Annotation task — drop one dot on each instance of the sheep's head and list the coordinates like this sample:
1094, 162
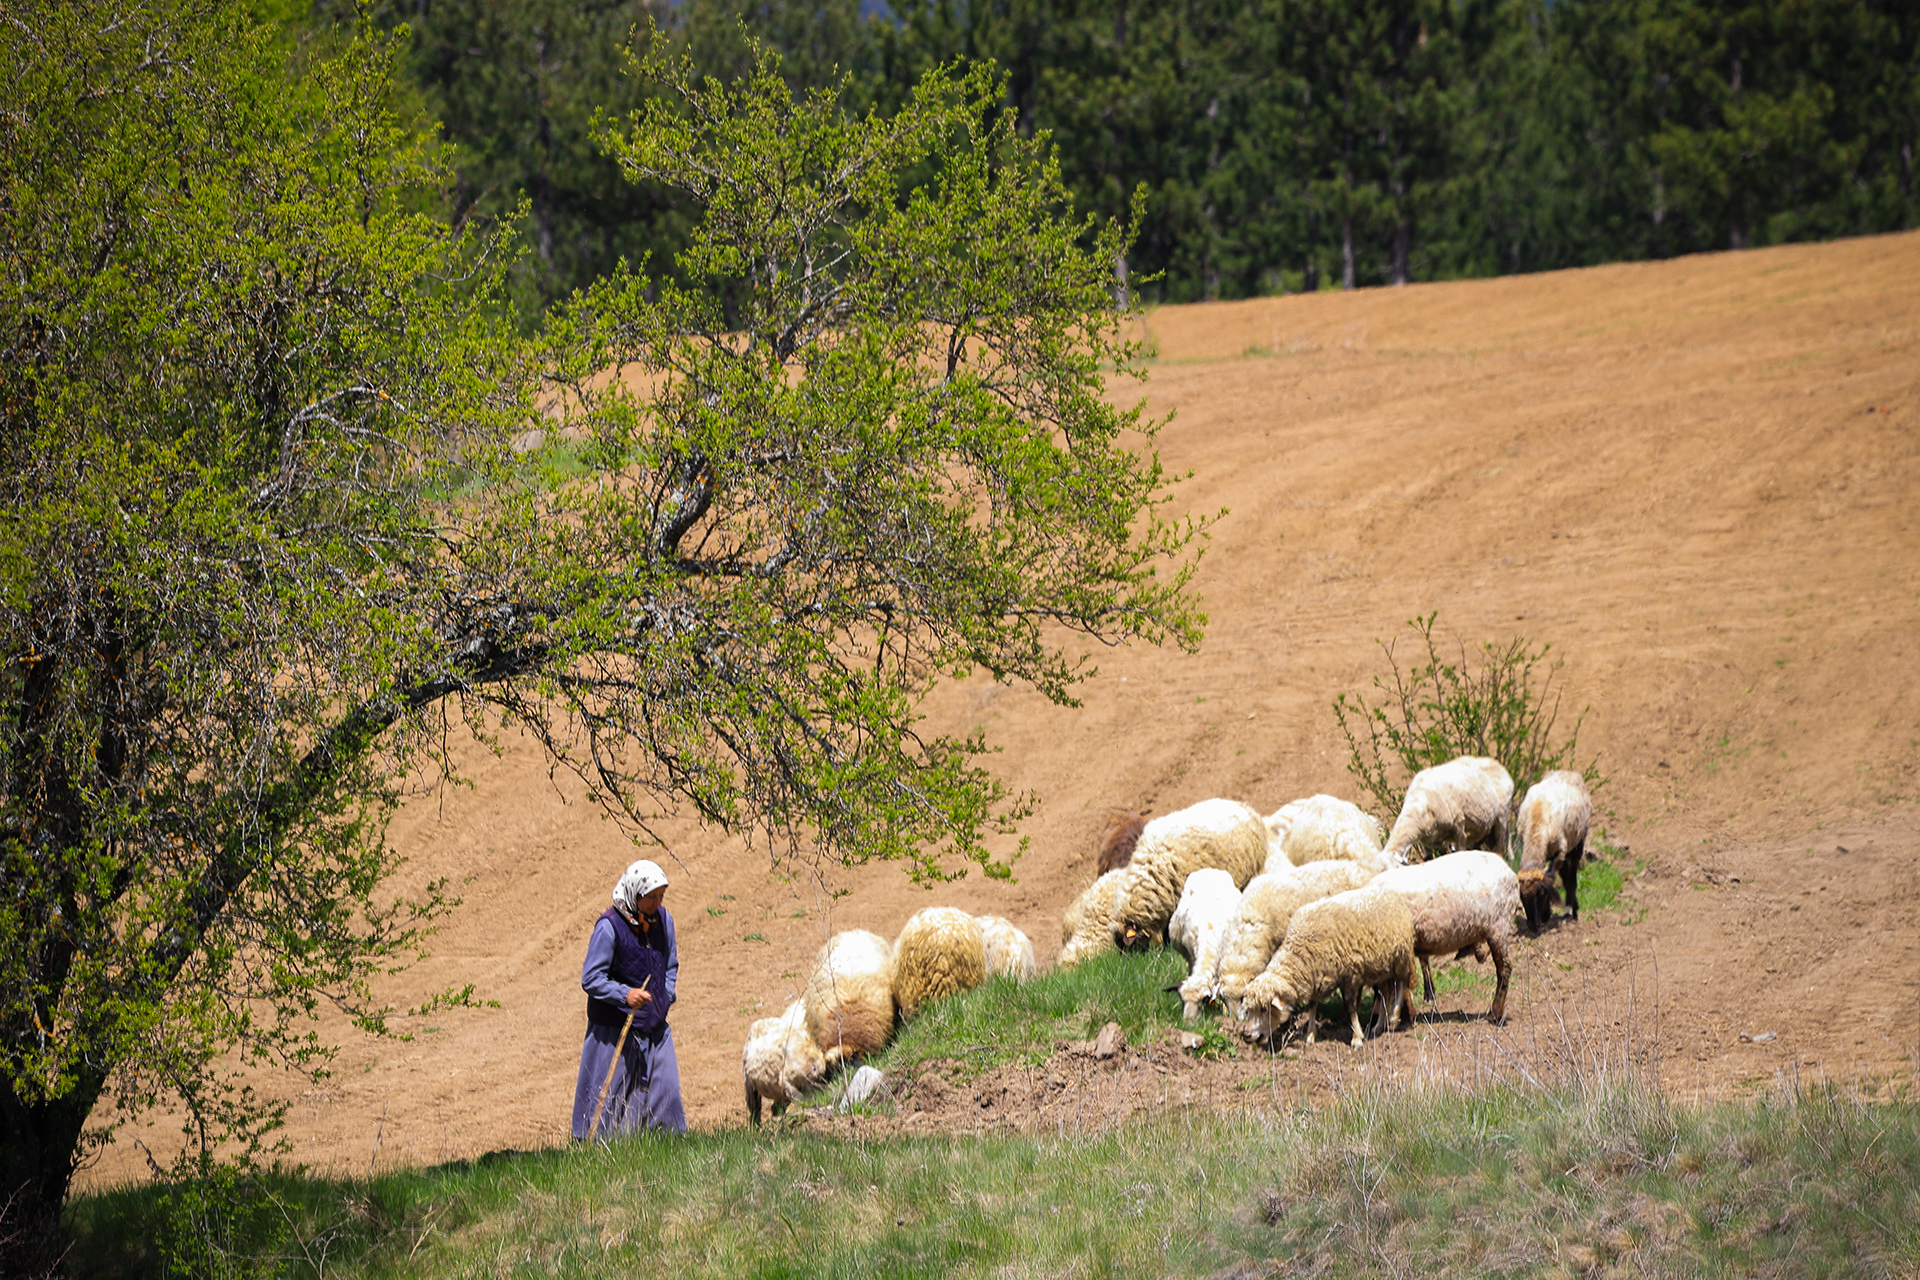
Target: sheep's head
1535, 896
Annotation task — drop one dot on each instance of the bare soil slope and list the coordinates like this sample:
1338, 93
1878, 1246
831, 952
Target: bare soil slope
1696, 479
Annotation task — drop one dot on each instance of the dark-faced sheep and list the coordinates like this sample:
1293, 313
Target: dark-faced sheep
1553, 836
1118, 840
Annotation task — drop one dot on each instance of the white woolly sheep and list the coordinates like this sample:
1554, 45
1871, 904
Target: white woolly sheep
1360, 938
1199, 926
1224, 834
1278, 824
940, 952
1009, 953
849, 996
1461, 804
1327, 827
1086, 926
1259, 923
1463, 904
1553, 839
780, 1060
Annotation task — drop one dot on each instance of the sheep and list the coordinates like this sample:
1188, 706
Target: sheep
1461, 804
1278, 824
1009, 953
1214, 833
1086, 926
1360, 938
1199, 925
940, 952
1324, 827
1463, 904
1118, 840
780, 1061
1260, 921
849, 996
1553, 837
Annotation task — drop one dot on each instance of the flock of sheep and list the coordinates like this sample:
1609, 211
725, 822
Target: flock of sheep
1274, 914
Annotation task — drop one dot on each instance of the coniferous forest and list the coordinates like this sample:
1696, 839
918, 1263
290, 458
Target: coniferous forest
1282, 145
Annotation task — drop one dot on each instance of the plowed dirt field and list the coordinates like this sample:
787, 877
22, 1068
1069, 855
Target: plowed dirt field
1696, 479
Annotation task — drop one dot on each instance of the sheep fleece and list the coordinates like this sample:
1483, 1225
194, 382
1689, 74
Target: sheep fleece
1009, 952
1086, 926
849, 995
1260, 923
1199, 927
780, 1060
1462, 803
939, 953
1362, 936
1224, 834
1327, 827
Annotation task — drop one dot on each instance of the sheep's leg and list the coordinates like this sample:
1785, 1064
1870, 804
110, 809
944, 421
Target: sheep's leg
753, 1104
1503, 969
1313, 1021
1350, 992
1426, 973
1570, 877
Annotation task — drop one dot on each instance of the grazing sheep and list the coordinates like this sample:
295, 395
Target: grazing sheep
940, 952
780, 1060
1260, 921
1553, 837
1214, 833
849, 996
1199, 925
1463, 904
1118, 840
1461, 804
1009, 953
1086, 926
1279, 823
1360, 938
1326, 827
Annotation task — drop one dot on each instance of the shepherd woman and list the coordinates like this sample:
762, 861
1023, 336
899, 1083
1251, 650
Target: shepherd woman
632, 968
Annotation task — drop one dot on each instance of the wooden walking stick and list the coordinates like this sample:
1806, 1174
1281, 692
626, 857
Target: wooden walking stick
607, 1087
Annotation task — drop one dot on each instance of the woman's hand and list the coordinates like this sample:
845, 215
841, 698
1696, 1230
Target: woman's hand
636, 997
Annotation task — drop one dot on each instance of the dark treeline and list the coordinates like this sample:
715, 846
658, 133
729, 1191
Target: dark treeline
1284, 144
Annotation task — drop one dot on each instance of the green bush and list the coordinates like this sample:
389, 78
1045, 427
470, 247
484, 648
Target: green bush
1432, 712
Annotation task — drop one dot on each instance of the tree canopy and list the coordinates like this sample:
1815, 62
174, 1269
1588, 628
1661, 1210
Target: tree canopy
273, 518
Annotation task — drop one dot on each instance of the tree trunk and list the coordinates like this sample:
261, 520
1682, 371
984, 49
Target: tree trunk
1346, 252
39, 1149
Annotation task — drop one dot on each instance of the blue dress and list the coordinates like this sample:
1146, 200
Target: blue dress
646, 1084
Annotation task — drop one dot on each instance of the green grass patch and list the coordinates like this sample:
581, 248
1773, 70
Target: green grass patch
1505, 1180
1007, 1022
1601, 878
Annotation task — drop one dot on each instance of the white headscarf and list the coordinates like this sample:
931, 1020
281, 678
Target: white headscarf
641, 879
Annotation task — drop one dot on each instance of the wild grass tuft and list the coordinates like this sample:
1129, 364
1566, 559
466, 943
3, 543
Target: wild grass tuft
1006, 1022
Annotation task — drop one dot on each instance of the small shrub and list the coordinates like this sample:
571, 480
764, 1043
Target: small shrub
1432, 712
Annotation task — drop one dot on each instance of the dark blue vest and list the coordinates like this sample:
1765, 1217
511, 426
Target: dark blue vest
636, 958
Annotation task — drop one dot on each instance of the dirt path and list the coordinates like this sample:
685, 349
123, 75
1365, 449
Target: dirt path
1697, 479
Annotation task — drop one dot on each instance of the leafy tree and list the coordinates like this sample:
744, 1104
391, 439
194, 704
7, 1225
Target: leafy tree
893, 460
265, 531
